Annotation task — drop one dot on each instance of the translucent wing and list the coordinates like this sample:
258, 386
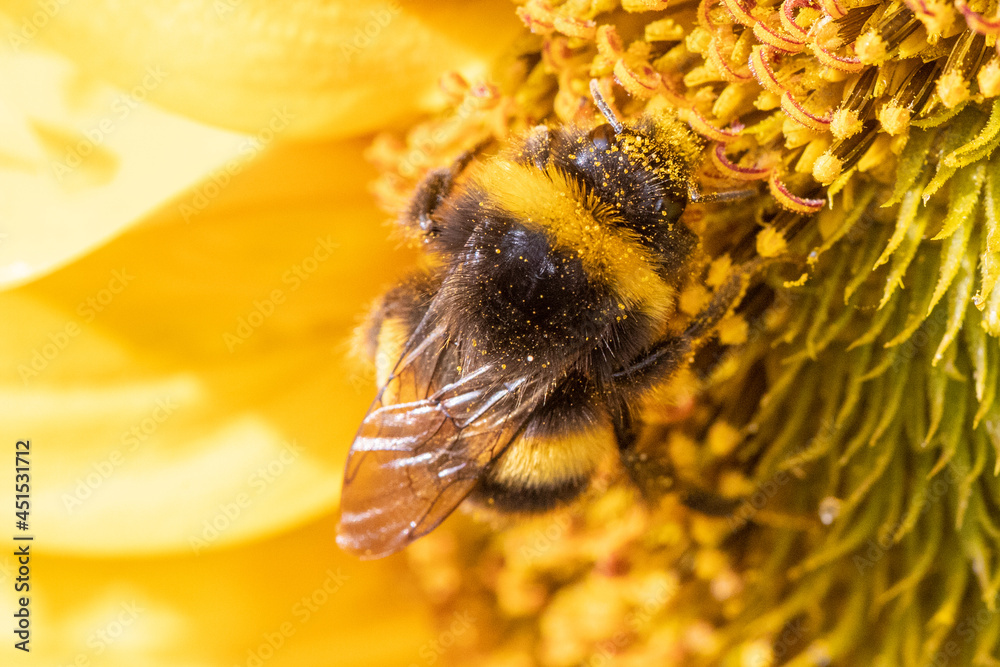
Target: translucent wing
423, 445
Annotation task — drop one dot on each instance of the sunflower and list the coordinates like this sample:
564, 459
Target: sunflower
186, 388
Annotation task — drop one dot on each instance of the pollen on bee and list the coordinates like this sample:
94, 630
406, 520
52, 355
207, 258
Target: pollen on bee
530, 358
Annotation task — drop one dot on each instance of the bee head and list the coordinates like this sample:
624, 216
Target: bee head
648, 161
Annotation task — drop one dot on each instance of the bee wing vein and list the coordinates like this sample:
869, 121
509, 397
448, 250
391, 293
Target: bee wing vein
414, 460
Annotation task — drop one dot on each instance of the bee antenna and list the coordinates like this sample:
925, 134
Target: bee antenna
698, 197
604, 107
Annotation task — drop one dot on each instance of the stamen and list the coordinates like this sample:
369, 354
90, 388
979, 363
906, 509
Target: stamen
964, 61
850, 25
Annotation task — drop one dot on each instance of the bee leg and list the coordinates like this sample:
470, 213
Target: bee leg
624, 425
726, 298
655, 475
652, 476
432, 191
662, 359
394, 317
658, 363
429, 195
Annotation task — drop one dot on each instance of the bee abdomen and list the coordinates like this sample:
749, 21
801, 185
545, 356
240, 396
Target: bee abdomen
553, 461
514, 497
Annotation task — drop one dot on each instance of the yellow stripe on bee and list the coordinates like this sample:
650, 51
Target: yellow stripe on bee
579, 223
543, 461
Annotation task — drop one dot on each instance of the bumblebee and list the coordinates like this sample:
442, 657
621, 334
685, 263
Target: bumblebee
511, 370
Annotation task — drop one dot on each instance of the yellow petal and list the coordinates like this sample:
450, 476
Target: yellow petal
187, 386
293, 601
341, 67
80, 161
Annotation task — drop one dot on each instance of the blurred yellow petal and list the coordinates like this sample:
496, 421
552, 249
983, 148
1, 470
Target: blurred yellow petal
80, 161
281, 602
340, 67
187, 386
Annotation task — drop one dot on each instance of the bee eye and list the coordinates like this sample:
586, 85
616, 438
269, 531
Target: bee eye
601, 136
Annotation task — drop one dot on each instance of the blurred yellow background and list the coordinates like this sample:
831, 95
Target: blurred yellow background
186, 243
